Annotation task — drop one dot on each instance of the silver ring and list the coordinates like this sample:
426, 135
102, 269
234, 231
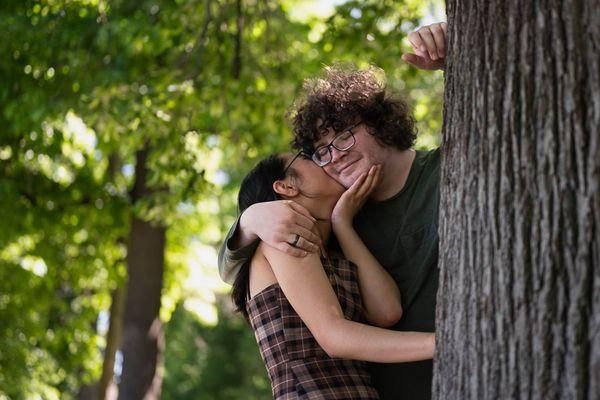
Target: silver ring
296, 240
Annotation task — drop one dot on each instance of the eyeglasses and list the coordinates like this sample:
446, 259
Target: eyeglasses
342, 142
301, 153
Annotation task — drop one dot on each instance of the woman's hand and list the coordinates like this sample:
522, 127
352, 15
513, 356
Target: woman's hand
429, 46
355, 197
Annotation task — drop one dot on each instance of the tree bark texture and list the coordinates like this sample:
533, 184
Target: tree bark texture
519, 300
143, 336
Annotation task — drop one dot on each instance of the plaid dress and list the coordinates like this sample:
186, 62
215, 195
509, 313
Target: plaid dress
298, 367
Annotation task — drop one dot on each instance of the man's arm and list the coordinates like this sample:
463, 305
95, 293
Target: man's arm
232, 257
276, 223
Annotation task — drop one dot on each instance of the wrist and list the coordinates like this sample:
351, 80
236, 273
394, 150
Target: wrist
339, 224
245, 225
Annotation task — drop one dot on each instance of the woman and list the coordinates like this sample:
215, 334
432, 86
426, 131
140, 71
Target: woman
309, 314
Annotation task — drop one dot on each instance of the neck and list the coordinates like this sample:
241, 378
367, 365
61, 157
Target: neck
320, 209
324, 228
395, 173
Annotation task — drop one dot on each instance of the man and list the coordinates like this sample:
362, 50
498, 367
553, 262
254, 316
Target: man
348, 122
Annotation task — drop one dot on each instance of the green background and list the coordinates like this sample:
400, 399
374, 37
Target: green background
84, 84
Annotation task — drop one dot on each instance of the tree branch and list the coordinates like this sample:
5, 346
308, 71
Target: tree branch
200, 40
237, 57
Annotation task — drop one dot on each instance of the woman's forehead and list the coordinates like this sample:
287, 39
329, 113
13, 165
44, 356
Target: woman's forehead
286, 156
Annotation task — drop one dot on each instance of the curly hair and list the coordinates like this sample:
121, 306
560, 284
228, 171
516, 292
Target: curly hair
345, 95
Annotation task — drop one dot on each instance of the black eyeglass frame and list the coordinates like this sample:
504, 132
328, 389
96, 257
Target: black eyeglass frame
301, 152
330, 145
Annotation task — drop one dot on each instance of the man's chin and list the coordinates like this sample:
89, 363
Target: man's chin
346, 181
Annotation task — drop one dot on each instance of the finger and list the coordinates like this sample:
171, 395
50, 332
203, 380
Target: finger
377, 177
308, 240
300, 209
305, 245
300, 217
356, 185
289, 249
315, 231
427, 37
374, 181
440, 39
444, 27
364, 189
413, 59
417, 43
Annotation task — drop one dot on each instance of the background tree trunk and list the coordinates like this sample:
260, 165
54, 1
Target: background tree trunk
143, 336
113, 340
519, 301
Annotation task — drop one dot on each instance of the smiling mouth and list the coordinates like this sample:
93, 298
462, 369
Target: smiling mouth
345, 167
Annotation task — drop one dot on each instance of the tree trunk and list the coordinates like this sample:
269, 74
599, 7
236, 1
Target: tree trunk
143, 337
113, 340
519, 300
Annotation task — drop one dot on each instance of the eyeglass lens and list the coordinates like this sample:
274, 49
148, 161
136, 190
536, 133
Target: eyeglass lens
341, 142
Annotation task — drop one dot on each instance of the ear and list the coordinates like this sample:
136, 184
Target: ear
284, 188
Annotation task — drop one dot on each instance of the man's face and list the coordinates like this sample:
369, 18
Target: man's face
346, 166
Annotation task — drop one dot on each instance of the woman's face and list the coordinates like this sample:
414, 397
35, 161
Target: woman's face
311, 180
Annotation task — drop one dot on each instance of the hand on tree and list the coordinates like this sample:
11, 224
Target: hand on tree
278, 222
429, 46
355, 197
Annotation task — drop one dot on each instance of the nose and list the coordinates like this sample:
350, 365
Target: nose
336, 154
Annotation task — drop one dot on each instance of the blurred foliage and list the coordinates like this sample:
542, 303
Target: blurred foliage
219, 362
85, 84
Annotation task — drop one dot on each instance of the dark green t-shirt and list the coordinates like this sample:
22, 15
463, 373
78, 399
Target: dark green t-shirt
401, 232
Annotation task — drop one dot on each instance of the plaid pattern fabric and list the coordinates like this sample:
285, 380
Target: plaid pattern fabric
298, 367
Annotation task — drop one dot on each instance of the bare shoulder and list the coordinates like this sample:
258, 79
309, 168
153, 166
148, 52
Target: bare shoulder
268, 265
277, 257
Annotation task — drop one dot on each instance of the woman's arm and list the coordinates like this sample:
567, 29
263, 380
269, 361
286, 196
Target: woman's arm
308, 290
380, 293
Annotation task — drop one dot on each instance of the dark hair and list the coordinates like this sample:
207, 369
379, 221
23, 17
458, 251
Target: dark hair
345, 95
257, 187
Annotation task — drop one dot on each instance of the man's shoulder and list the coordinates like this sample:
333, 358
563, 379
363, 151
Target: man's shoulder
429, 160
431, 156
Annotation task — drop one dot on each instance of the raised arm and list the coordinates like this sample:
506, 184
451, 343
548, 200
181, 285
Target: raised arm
380, 293
308, 290
276, 223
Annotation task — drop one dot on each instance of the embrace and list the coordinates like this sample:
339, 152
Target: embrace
333, 258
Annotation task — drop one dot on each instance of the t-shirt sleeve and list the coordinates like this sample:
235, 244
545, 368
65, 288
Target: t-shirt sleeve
230, 260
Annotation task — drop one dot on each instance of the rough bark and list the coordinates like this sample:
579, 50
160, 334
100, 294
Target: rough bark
519, 300
113, 340
143, 336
